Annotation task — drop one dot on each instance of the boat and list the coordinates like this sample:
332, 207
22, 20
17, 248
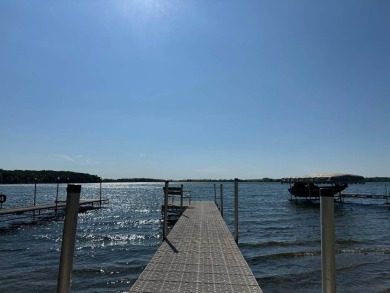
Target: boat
309, 185
313, 190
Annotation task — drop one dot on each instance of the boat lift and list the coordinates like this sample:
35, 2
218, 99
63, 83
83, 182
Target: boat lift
308, 186
331, 184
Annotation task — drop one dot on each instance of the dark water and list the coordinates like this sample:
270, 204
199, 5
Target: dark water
279, 239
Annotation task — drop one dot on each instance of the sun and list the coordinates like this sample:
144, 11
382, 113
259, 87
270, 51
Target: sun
147, 9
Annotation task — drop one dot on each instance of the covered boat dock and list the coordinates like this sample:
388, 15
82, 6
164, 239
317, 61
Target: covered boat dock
308, 186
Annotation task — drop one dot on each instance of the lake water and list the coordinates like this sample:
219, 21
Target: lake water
280, 239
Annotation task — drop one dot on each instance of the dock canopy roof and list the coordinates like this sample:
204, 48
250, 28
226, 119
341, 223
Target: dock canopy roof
326, 178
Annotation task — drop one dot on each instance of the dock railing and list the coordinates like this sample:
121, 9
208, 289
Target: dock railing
173, 193
39, 207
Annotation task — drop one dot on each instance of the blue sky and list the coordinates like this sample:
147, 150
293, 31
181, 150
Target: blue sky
195, 89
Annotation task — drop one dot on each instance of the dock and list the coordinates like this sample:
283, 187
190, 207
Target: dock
198, 255
365, 195
59, 205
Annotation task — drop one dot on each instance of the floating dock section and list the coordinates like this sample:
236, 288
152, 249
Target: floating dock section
198, 255
368, 196
59, 205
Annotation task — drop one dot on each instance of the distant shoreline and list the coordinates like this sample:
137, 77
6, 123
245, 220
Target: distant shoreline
50, 176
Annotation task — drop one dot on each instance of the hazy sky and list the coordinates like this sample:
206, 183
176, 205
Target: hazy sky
195, 88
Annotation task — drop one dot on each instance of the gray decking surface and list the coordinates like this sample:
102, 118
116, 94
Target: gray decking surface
200, 255
61, 204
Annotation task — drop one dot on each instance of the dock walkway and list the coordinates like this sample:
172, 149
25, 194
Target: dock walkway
59, 205
199, 255
365, 195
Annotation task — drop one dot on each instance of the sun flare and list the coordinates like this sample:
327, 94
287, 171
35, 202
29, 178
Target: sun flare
146, 9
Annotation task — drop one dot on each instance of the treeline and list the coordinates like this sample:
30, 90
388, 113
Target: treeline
377, 179
134, 180
45, 176
229, 180
266, 179
49, 176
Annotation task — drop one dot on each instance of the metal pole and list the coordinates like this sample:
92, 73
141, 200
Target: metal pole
215, 194
100, 192
221, 200
35, 190
58, 183
68, 238
328, 259
236, 210
165, 234
181, 198
35, 193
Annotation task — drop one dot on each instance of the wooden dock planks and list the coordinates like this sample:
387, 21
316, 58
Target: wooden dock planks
199, 255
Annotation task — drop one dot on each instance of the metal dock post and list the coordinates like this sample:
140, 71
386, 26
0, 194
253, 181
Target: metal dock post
215, 194
165, 224
328, 260
236, 210
58, 186
68, 238
221, 208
